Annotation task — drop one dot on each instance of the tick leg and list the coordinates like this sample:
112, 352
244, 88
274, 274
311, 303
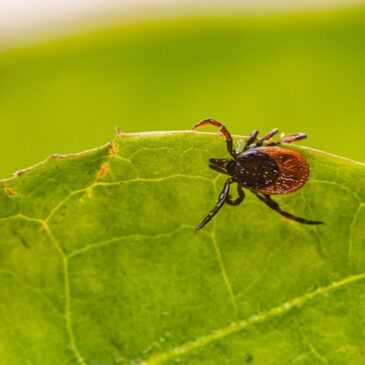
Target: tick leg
239, 199
222, 129
275, 206
251, 139
293, 137
221, 200
267, 136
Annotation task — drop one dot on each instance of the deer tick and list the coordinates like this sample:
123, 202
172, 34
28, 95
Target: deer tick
262, 167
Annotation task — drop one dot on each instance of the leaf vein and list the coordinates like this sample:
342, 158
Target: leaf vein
238, 326
351, 229
134, 236
89, 188
40, 293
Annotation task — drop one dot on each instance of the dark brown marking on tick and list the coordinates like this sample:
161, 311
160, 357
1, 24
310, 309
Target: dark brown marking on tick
263, 168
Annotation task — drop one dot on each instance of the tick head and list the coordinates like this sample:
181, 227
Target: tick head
222, 165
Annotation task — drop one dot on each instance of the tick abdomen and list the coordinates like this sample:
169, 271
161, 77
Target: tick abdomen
293, 171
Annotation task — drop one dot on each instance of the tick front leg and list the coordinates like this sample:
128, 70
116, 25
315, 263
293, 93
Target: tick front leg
221, 200
222, 129
275, 206
239, 199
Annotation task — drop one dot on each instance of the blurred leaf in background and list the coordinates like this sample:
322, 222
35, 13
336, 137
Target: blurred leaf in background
302, 72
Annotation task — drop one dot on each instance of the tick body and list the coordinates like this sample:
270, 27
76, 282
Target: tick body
262, 167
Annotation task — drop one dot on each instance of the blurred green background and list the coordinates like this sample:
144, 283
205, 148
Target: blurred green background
297, 72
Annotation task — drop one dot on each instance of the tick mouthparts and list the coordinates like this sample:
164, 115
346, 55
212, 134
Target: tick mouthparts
219, 161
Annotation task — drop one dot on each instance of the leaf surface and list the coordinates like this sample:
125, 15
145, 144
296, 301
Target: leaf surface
100, 264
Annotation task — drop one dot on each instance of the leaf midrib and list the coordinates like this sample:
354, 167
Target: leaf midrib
260, 317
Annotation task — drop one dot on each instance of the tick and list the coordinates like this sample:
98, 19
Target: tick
262, 167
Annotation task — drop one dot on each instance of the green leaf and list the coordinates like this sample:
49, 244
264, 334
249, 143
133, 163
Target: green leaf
100, 263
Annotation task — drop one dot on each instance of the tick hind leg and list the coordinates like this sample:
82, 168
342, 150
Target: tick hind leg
287, 139
222, 129
267, 136
261, 141
293, 138
275, 206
